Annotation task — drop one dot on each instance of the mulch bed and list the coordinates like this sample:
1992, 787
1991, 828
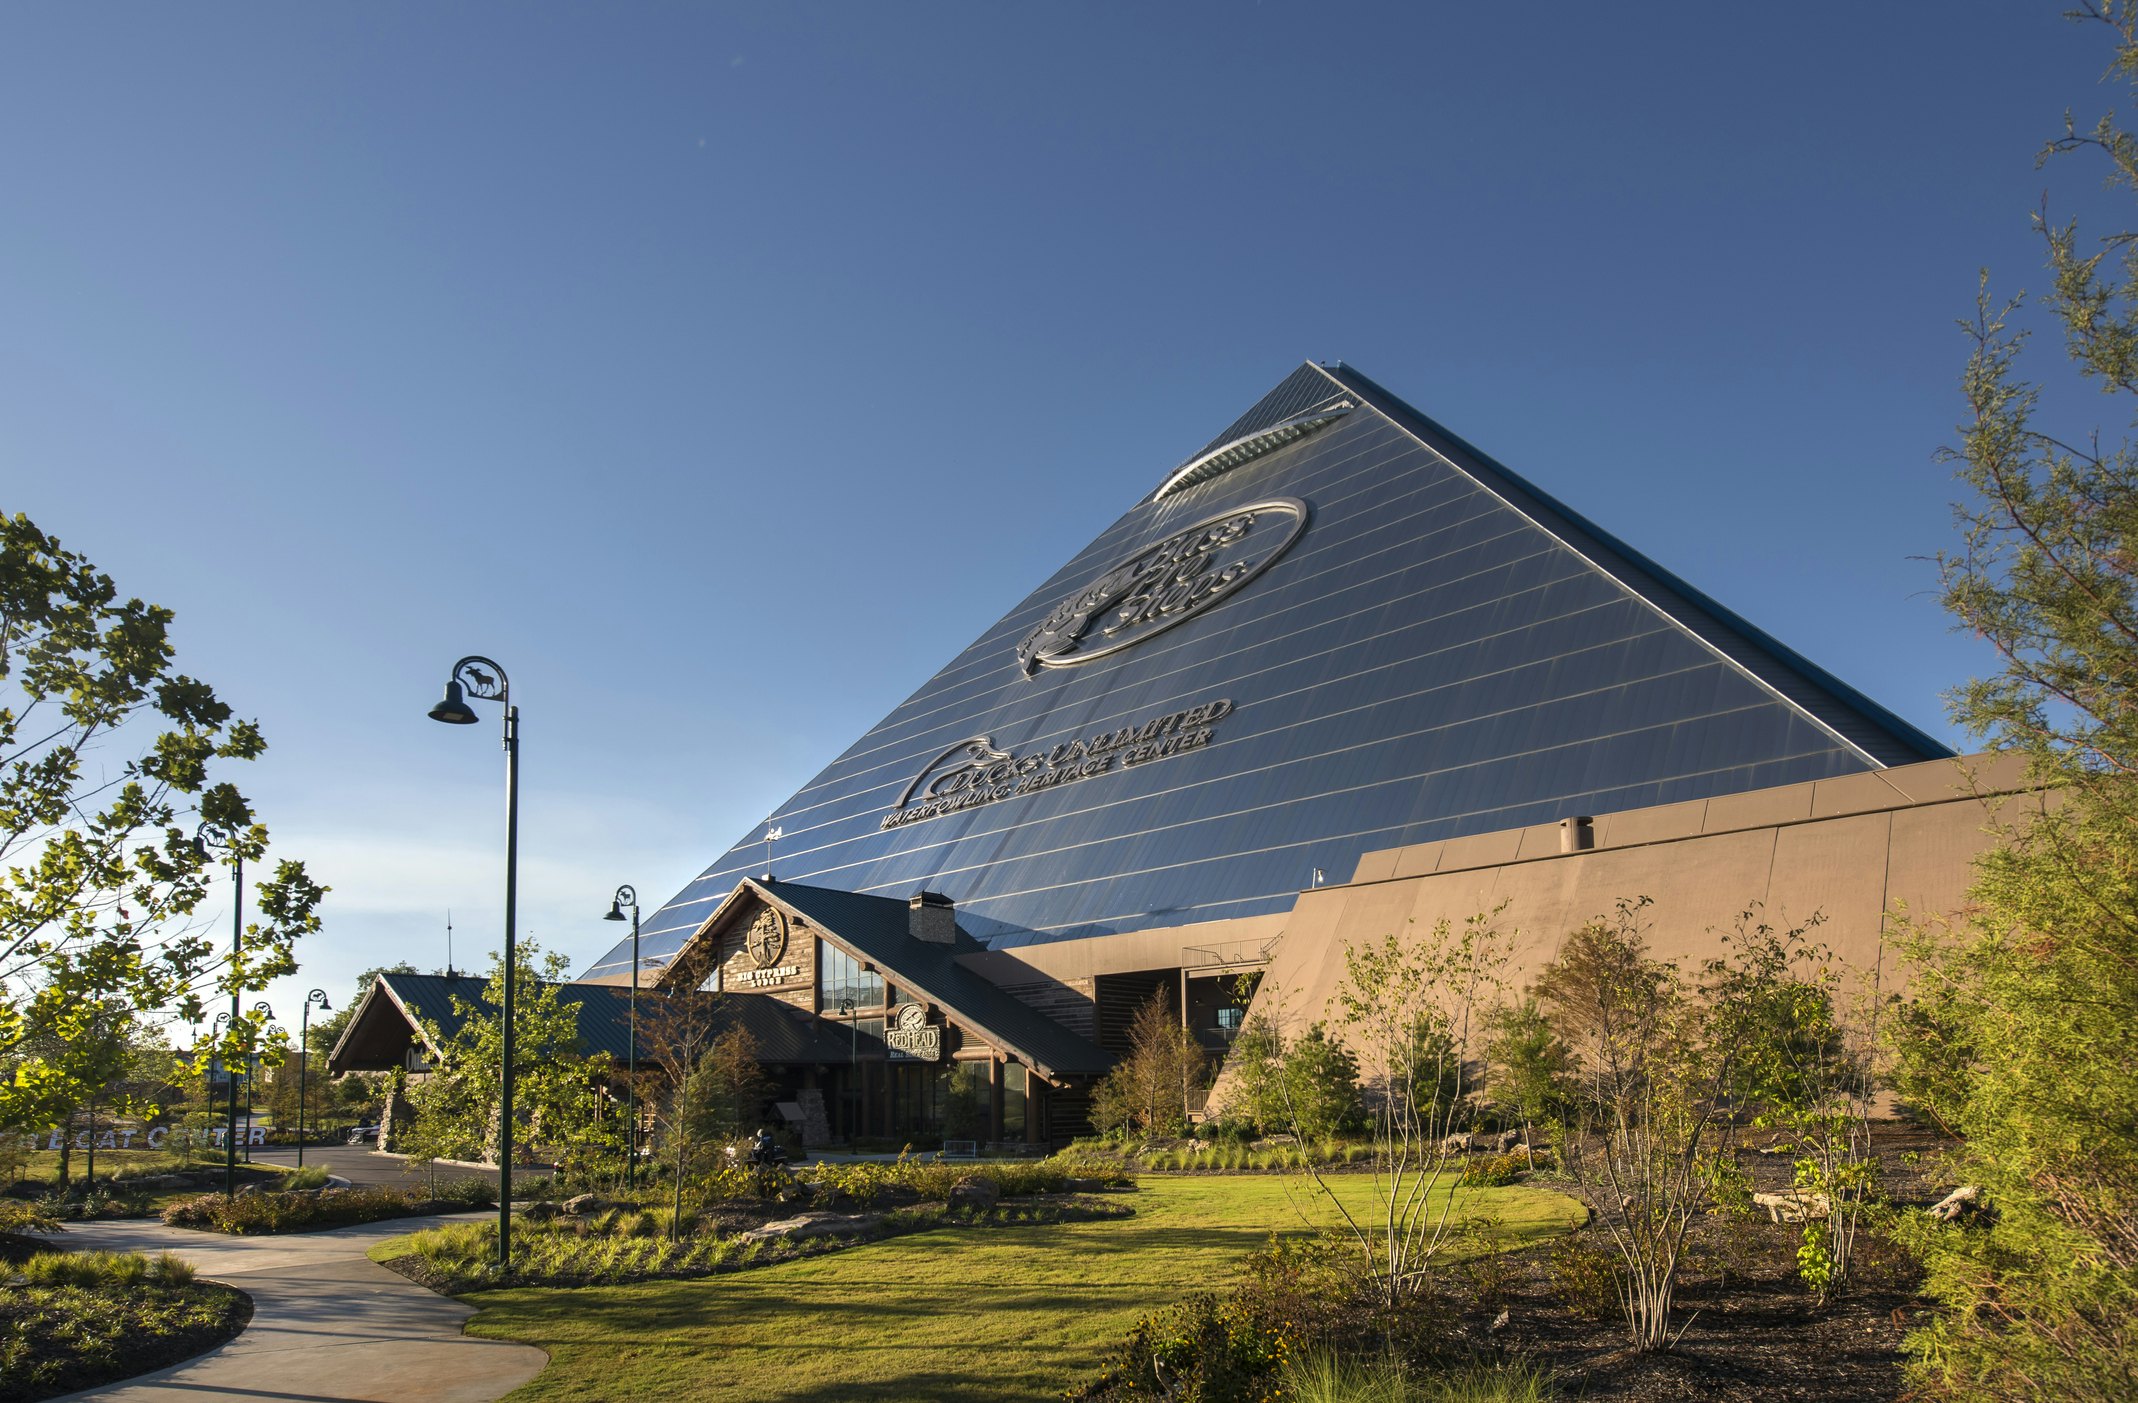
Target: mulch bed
730, 1219
1754, 1335
71, 1339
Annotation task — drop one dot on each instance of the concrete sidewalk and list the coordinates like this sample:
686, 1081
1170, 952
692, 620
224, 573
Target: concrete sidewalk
328, 1324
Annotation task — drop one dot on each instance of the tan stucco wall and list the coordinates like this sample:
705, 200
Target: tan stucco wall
1850, 850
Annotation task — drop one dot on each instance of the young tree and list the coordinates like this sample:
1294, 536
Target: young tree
678, 1033
2022, 1034
103, 869
1803, 1063
1413, 1014
456, 1105
1535, 1069
1148, 1089
730, 1085
1652, 1072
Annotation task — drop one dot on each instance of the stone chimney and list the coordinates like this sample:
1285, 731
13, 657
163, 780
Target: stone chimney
932, 918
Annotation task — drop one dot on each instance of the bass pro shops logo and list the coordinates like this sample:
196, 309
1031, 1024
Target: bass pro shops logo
1164, 584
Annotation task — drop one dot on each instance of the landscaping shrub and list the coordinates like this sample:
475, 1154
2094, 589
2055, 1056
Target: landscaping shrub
1322, 1376
1492, 1171
470, 1193
85, 1201
627, 1243
106, 1270
295, 1212
1585, 1278
309, 1177
58, 1338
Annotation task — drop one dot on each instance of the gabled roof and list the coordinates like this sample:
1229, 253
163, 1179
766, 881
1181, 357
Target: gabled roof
876, 929
785, 1035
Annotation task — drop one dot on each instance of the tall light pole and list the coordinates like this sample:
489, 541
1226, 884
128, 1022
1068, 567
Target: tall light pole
230, 1076
237, 946
853, 1065
304, 1059
252, 1060
481, 678
628, 896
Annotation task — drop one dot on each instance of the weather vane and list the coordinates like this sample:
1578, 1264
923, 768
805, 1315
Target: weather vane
770, 834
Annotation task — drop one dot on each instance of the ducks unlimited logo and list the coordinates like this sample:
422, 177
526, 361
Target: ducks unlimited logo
973, 772
1164, 584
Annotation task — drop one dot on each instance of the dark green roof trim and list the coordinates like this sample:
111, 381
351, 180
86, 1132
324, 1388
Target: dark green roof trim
785, 1035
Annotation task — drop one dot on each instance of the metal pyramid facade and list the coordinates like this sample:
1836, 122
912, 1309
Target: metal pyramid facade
1336, 628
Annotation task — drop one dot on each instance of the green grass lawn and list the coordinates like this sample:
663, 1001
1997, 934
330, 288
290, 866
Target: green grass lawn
950, 1314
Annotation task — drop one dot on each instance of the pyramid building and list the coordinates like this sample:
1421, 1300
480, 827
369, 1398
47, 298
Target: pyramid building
1336, 672
1395, 641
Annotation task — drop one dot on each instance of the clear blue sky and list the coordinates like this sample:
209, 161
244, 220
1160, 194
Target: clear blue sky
723, 369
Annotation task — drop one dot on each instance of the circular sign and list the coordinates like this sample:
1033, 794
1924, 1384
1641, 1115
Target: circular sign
1164, 584
767, 938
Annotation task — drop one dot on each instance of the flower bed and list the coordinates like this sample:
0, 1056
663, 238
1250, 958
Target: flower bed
254, 1213
76, 1320
631, 1244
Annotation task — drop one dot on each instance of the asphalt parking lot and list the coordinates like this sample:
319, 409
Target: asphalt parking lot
367, 1168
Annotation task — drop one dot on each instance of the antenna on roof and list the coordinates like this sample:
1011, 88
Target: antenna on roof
449, 942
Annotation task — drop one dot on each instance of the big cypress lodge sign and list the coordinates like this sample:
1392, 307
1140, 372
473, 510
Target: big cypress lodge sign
973, 772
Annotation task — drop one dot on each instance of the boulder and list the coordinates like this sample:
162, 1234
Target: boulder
808, 1225
1962, 1203
974, 1191
1509, 1140
585, 1205
540, 1211
159, 1183
1792, 1207
1461, 1142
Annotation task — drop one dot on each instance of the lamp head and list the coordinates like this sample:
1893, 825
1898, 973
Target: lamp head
616, 911
453, 709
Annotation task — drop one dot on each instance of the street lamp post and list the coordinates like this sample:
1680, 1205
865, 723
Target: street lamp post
628, 896
252, 1060
481, 678
237, 945
304, 1059
230, 1172
853, 1063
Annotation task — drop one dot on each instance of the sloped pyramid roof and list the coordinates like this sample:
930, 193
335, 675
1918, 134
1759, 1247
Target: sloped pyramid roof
1365, 634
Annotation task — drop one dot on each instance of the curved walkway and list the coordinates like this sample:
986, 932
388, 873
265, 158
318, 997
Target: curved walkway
328, 1324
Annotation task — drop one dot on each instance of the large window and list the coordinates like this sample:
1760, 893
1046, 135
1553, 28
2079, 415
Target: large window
1013, 1094
840, 977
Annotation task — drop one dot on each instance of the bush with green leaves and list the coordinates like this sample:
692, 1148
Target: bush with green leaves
1297, 1302
251, 1214
1307, 1086
2023, 1034
1492, 1171
1325, 1376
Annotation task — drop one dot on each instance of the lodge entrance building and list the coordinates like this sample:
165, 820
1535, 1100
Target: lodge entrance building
865, 1022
